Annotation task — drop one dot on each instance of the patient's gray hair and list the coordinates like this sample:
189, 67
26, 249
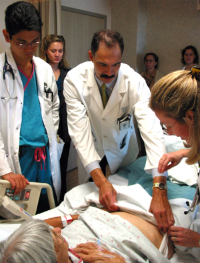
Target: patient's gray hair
32, 242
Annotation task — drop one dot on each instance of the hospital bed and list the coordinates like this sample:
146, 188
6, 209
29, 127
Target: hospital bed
27, 198
134, 193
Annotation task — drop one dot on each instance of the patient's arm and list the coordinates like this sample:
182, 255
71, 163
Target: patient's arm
57, 222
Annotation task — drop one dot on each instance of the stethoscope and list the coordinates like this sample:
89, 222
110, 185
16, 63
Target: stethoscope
7, 68
196, 199
195, 202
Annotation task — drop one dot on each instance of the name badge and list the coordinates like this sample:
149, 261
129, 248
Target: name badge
124, 122
48, 92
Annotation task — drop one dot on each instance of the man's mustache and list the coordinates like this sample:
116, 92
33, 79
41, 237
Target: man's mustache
106, 76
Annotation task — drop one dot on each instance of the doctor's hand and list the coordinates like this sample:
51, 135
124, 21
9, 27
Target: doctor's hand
170, 160
18, 181
92, 253
161, 210
184, 237
107, 193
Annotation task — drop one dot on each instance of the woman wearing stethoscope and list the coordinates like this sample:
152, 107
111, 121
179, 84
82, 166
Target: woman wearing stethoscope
28, 105
176, 102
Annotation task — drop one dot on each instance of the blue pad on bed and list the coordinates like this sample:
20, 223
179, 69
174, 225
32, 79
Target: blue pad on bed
136, 174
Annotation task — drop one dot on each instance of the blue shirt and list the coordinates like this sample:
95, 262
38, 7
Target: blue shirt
33, 132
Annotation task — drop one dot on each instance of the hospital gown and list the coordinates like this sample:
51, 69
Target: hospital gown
114, 233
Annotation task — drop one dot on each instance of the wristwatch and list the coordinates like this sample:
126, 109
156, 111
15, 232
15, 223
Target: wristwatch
161, 186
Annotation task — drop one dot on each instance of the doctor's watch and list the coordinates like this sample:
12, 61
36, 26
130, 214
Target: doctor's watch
161, 186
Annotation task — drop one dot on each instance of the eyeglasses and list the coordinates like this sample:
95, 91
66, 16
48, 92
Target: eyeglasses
167, 128
24, 45
61, 238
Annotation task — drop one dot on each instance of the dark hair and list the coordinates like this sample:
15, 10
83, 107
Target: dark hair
196, 60
47, 40
155, 58
109, 37
22, 16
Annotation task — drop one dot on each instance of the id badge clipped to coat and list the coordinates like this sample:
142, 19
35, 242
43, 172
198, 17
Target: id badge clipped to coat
124, 122
48, 92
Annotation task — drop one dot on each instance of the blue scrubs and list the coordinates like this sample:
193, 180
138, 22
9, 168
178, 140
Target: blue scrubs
33, 134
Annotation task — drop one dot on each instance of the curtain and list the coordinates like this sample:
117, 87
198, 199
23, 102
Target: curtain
50, 12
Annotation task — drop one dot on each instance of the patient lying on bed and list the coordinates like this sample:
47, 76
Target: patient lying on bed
124, 237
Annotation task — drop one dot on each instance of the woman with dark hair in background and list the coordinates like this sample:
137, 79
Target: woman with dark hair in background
53, 52
151, 73
190, 57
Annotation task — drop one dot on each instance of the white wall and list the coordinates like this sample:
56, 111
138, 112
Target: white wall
3, 6
102, 7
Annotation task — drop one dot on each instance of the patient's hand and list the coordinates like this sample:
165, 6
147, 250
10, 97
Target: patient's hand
18, 181
161, 209
170, 160
92, 253
107, 193
184, 237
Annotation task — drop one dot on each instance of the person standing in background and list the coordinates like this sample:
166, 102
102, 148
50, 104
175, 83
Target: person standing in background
53, 52
151, 73
190, 57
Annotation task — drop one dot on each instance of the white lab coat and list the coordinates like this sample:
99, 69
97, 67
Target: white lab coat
9, 137
95, 130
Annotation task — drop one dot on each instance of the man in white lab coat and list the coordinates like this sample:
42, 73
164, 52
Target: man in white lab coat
104, 98
29, 105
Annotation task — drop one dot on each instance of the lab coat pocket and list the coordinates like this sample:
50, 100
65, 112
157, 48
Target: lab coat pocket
123, 142
47, 104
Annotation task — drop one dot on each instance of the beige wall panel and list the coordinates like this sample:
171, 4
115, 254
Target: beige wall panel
78, 30
171, 26
124, 20
141, 34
